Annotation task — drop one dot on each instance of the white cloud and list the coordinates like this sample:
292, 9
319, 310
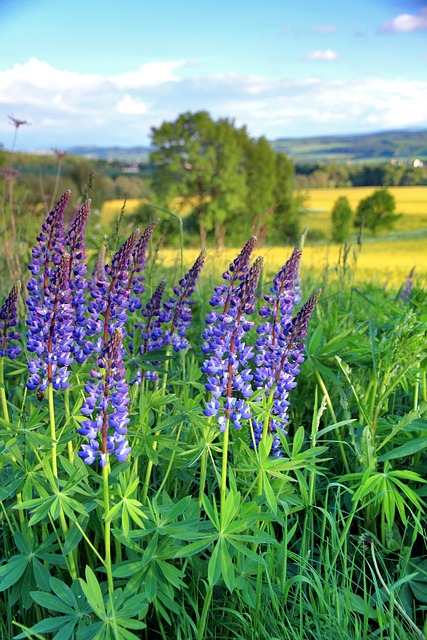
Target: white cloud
327, 54
406, 23
150, 74
130, 105
68, 108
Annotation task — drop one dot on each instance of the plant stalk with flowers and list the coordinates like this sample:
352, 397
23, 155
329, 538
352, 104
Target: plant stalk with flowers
8, 338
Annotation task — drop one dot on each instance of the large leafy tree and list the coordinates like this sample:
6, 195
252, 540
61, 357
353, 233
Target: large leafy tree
200, 167
377, 211
231, 182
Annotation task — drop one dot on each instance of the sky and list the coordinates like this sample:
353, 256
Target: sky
103, 73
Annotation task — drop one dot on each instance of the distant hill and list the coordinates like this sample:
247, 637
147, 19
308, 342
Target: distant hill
118, 154
385, 145
371, 147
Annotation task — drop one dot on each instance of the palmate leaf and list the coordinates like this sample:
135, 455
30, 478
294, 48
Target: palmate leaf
11, 572
93, 593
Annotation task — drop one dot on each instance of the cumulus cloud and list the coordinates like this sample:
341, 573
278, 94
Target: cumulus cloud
327, 54
406, 23
68, 108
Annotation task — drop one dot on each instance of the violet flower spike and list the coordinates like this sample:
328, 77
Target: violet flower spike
111, 297
407, 287
138, 264
236, 271
8, 320
106, 407
228, 374
75, 243
50, 333
277, 371
151, 332
177, 310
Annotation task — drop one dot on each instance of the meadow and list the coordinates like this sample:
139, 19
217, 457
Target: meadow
231, 445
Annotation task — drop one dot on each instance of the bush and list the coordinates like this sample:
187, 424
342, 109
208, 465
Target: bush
342, 218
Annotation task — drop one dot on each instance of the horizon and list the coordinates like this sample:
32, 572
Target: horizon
284, 72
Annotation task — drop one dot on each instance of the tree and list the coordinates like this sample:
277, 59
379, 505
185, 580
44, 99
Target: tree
200, 166
342, 218
377, 211
286, 223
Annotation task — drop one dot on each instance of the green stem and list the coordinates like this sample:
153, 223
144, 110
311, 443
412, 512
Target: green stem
52, 430
224, 465
3, 392
107, 529
67, 421
334, 418
202, 623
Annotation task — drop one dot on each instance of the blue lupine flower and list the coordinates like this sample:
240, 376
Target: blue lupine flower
177, 310
228, 374
75, 244
407, 287
50, 332
137, 267
106, 407
151, 333
8, 320
110, 298
277, 367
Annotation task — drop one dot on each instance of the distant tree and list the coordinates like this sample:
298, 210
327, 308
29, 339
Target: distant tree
377, 211
286, 225
200, 165
342, 218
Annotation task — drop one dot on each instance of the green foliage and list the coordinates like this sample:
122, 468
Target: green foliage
231, 183
342, 219
377, 211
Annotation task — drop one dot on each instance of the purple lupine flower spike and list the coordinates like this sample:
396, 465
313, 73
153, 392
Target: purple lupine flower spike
98, 273
151, 332
277, 374
136, 275
8, 320
236, 271
111, 296
50, 243
106, 407
50, 333
177, 311
75, 244
408, 285
228, 374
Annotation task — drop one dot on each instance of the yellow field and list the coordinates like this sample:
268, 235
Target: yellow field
411, 201
382, 263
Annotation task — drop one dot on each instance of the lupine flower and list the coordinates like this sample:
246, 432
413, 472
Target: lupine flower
98, 273
111, 296
237, 270
228, 374
277, 367
151, 332
106, 407
50, 332
8, 320
46, 254
75, 244
407, 287
137, 268
177, 310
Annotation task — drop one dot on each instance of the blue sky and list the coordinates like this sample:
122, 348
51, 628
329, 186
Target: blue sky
92, 72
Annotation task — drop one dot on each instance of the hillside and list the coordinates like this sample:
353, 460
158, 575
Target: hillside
381, 146
385, 145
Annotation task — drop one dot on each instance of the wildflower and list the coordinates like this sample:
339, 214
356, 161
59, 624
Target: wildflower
177, 310
228, 374
136, 275
111, 296
151, 333
277, 367
50, 332
8, 320
407, 287
106, 407
75, 245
